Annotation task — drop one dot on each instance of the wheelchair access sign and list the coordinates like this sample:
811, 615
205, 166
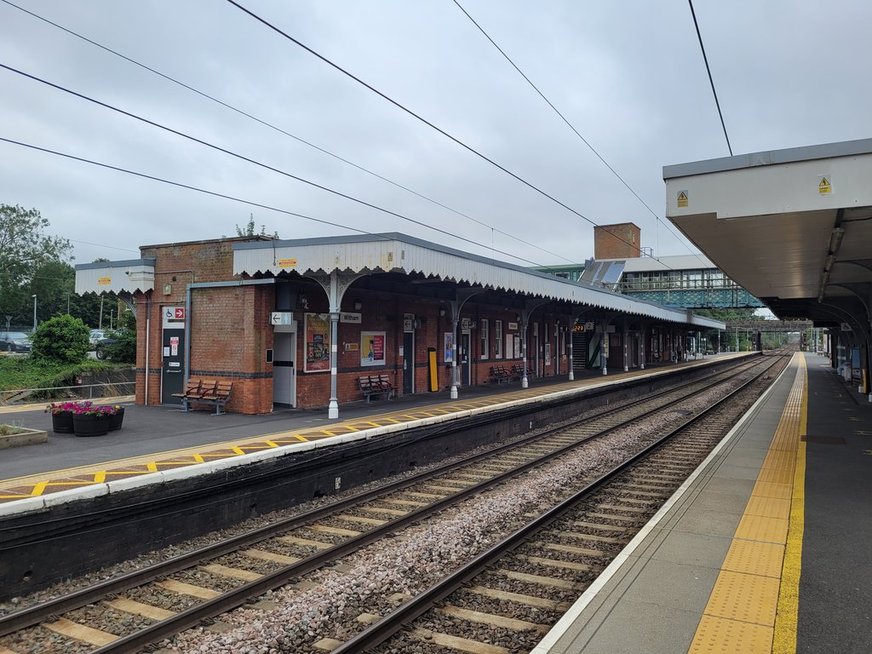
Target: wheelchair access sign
173, 317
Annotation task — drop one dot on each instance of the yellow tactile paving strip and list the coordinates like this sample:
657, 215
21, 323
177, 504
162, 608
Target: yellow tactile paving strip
51, 482
752, 607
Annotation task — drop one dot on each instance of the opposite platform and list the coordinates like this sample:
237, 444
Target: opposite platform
159, 444
751, 554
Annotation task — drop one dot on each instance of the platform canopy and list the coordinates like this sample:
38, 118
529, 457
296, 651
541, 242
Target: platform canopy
794, 227
399, 253
127, 276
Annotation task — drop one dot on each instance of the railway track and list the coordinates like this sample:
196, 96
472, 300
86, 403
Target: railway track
128, 613
507, 598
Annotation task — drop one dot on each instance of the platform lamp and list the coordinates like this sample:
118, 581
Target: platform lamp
34, 313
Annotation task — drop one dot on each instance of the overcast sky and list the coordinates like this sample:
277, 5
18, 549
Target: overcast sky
628, 75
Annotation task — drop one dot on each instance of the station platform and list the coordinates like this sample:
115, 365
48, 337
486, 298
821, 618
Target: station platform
160, 443
764, 549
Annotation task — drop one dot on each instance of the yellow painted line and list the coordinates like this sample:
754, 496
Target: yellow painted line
784, 639
99, 473
754, 603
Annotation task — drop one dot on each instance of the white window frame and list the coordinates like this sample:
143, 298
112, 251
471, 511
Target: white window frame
498, 339
484, 334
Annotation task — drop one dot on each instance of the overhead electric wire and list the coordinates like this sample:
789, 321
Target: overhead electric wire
265, 123
258, 163
189, 187
569, 124
711, 80
417, 116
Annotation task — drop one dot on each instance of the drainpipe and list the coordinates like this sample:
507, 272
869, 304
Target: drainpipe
193, 285
147, 343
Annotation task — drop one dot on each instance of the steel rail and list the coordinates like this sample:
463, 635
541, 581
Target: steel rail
380, 631
33, 615
241, 594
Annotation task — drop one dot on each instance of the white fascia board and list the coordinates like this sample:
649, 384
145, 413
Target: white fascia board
115, 276
385, 254
802, 186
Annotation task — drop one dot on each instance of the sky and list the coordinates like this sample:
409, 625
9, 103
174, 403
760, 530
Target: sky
628, 75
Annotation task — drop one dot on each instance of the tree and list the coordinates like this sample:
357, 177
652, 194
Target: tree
248, 230
61, 339
24, 249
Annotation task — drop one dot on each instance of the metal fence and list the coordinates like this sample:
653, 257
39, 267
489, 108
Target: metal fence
77, 392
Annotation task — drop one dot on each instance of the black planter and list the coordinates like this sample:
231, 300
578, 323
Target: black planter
62, 423
116, 420
88, 425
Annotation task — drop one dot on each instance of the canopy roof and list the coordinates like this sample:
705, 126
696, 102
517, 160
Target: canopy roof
115, 276
794, 227
398, 253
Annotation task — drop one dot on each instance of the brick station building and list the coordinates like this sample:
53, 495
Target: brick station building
297, 323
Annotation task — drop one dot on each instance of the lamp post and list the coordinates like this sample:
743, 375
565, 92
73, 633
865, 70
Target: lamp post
34, 313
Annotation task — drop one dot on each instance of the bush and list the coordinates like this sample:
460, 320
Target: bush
62, 339
119, 346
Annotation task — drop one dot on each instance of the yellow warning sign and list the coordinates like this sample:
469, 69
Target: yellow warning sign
682, 199
104, 281
825, 186
287, 263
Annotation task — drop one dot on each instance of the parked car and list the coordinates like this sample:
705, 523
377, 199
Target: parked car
96, 336
15, 342
105, 347
103, 344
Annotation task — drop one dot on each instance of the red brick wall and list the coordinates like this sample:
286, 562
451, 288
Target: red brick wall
620, 241
230, 332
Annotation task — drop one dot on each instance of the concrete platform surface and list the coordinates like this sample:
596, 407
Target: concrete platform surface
160, 442
764, 549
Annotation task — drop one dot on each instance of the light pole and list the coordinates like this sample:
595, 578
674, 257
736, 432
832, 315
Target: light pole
34, 314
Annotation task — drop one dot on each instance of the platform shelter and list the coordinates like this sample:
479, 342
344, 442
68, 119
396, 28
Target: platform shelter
301, 323
793, 227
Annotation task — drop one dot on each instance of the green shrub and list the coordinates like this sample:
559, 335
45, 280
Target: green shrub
63, 339
120, 347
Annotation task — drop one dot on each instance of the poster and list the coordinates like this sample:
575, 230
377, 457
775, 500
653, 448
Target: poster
372, 348
448, 349
547, 354
317, 339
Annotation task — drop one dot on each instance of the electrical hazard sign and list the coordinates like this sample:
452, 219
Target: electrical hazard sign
825, 185
682, 199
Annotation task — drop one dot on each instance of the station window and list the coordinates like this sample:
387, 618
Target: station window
485, 338
498, 339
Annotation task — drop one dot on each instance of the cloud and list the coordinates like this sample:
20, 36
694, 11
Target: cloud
629, 76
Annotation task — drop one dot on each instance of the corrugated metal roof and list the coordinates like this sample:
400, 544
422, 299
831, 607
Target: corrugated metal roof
394, 252
126, 276
672, 262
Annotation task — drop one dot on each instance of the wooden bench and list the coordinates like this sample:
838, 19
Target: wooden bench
517, 371
194, 391
206, 391
499, 374
375, 385
219, 396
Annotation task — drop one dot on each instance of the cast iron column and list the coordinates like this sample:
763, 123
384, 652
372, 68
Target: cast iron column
333, 407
